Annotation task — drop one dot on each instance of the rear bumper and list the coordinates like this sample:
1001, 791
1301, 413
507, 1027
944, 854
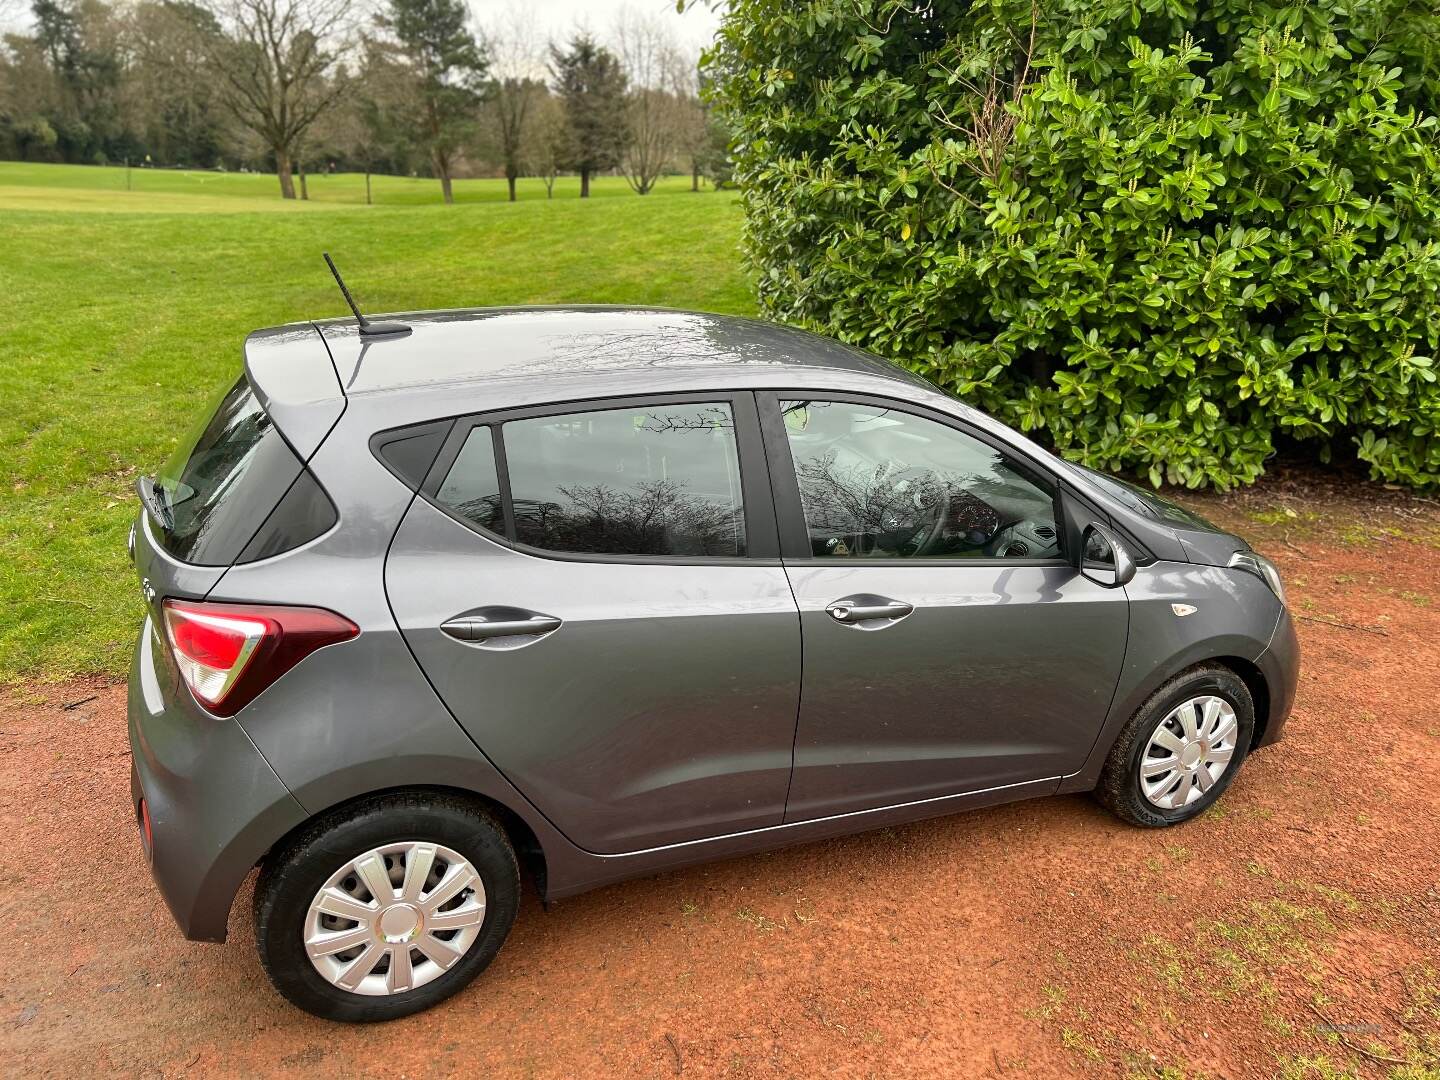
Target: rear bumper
215, 805
1280, 664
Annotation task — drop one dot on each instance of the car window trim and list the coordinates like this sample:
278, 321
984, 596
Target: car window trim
762, 543
790, 510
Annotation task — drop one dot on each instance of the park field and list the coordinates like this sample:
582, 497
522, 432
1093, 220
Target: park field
116, 188
125, 310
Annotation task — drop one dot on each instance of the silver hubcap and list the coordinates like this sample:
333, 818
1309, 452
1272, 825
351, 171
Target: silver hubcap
1189, 752
395, 918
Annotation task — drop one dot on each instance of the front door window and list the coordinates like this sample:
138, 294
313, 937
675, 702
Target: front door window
879, 483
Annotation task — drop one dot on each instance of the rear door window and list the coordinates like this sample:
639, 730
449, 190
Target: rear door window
224, 481
650, 480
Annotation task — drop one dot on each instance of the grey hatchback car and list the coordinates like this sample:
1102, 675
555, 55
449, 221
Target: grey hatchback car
596, 592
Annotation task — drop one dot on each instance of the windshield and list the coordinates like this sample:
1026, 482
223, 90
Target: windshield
223, 480
1144, 501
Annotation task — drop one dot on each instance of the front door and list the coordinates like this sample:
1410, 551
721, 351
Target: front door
949, 645
596, 594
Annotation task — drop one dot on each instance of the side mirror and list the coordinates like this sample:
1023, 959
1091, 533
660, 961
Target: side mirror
1103, 558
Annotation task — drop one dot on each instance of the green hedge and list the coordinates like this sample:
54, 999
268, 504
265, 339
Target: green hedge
1213, 230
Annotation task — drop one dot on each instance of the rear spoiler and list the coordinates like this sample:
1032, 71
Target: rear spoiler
290, 370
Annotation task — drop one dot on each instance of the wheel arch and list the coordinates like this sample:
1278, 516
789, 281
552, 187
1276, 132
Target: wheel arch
528, 849
1226, 651
1254, 679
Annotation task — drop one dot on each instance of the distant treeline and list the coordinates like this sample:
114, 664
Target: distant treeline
408, 87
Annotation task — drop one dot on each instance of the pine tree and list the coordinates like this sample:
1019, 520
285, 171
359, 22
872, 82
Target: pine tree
591, 84
449, 68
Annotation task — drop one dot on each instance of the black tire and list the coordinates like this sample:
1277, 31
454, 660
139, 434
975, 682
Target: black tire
295, 872
1119, 788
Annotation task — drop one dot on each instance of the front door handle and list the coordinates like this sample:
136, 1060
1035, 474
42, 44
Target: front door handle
500, 627
868, 612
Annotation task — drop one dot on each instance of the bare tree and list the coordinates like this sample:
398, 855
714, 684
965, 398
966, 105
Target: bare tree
654, 115
170, 87
515, 61
693, 138
548, 141
273, 61
372, 125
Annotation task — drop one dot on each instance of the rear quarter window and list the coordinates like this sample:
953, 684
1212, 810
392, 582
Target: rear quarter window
224, 482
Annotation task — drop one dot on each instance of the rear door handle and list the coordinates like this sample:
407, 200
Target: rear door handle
500, 627
877, 611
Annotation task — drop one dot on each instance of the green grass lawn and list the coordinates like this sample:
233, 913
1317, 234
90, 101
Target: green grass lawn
91, 187
124, 311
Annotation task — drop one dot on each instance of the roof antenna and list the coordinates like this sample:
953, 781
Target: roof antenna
367, 328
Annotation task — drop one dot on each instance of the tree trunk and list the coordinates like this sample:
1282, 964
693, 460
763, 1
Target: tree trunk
441, 160
300, 166
367, 184
585, 182
282, 168
511, 181
694, 176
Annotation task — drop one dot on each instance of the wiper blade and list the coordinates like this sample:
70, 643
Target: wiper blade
152, 498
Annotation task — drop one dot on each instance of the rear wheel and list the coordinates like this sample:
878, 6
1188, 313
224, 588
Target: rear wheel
386, 907
1181, 751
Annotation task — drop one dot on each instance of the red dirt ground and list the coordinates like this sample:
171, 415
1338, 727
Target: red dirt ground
1290, 931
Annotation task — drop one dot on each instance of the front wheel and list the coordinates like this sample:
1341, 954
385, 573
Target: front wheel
1181, 751
386, 907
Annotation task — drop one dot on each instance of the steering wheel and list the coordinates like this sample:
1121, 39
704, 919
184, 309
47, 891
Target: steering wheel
974, 519
914, 508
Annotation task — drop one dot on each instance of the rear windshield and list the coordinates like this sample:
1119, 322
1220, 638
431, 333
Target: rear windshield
223, 481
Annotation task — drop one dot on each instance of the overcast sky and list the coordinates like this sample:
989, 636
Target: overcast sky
557, 18
550, 18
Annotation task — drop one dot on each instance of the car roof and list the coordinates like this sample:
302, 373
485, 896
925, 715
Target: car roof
466, 361
536, 343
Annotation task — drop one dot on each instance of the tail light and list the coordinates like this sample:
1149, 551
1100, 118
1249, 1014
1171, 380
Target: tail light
228, 653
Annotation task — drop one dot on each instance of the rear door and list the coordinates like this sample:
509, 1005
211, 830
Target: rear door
950, 644
595, 591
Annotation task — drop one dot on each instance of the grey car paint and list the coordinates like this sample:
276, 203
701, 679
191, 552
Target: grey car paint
290, 369
1001, 675
215, 804
662, 710
1236, 618
450, 348
363, 715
